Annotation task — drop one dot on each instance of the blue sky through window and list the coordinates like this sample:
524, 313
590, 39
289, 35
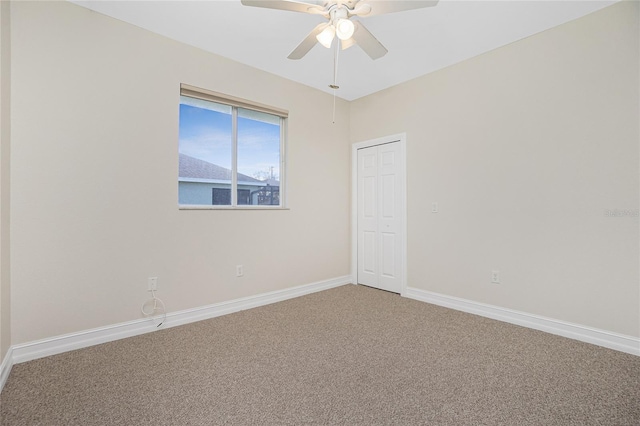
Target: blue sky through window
206, 134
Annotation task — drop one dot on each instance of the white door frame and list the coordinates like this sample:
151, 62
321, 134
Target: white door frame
402, 139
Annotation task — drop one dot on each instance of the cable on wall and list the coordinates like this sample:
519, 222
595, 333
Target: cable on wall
155, 305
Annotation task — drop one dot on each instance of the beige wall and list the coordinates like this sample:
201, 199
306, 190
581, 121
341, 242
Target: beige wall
94, 178
524, 148
5, 126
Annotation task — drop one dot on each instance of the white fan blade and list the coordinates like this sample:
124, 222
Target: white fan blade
380, 7
291, 5
368, 42
309, 41
347, 43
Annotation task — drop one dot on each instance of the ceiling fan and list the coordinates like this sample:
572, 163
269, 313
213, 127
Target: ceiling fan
339, 14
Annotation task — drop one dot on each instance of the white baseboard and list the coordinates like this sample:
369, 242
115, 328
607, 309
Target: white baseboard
59, 344
586, 334
68, 342
5, 367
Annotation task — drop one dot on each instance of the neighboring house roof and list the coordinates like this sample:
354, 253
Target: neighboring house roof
272, 182
194, 168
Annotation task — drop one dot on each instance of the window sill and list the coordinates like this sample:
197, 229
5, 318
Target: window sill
200, 207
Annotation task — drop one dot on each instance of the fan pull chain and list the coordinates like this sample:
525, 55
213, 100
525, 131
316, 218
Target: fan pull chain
333, 119
335, 86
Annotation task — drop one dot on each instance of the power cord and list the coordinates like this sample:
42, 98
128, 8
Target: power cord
158, 306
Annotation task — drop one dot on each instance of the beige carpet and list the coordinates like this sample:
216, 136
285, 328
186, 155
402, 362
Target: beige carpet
350, 355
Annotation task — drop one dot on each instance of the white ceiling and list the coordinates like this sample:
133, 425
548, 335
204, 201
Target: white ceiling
419, 41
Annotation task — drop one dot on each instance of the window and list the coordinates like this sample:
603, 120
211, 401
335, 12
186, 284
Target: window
231, 152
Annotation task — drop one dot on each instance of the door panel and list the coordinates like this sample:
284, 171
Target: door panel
388, 196
367, 214
369, 252
369, 195
388, 255
380, 217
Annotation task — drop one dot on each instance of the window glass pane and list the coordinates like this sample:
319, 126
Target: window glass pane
205, 144
244, 197
221, 196
259, 157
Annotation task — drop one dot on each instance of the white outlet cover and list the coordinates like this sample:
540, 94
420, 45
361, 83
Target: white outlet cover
152, 283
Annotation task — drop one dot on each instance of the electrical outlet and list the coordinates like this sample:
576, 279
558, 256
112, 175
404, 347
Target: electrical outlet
495, 277
152, 284
239, 270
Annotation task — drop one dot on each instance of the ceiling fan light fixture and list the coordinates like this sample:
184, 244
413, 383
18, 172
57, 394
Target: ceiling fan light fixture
344, 29
325, 38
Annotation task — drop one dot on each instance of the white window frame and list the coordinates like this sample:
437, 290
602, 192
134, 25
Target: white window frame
235, 103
